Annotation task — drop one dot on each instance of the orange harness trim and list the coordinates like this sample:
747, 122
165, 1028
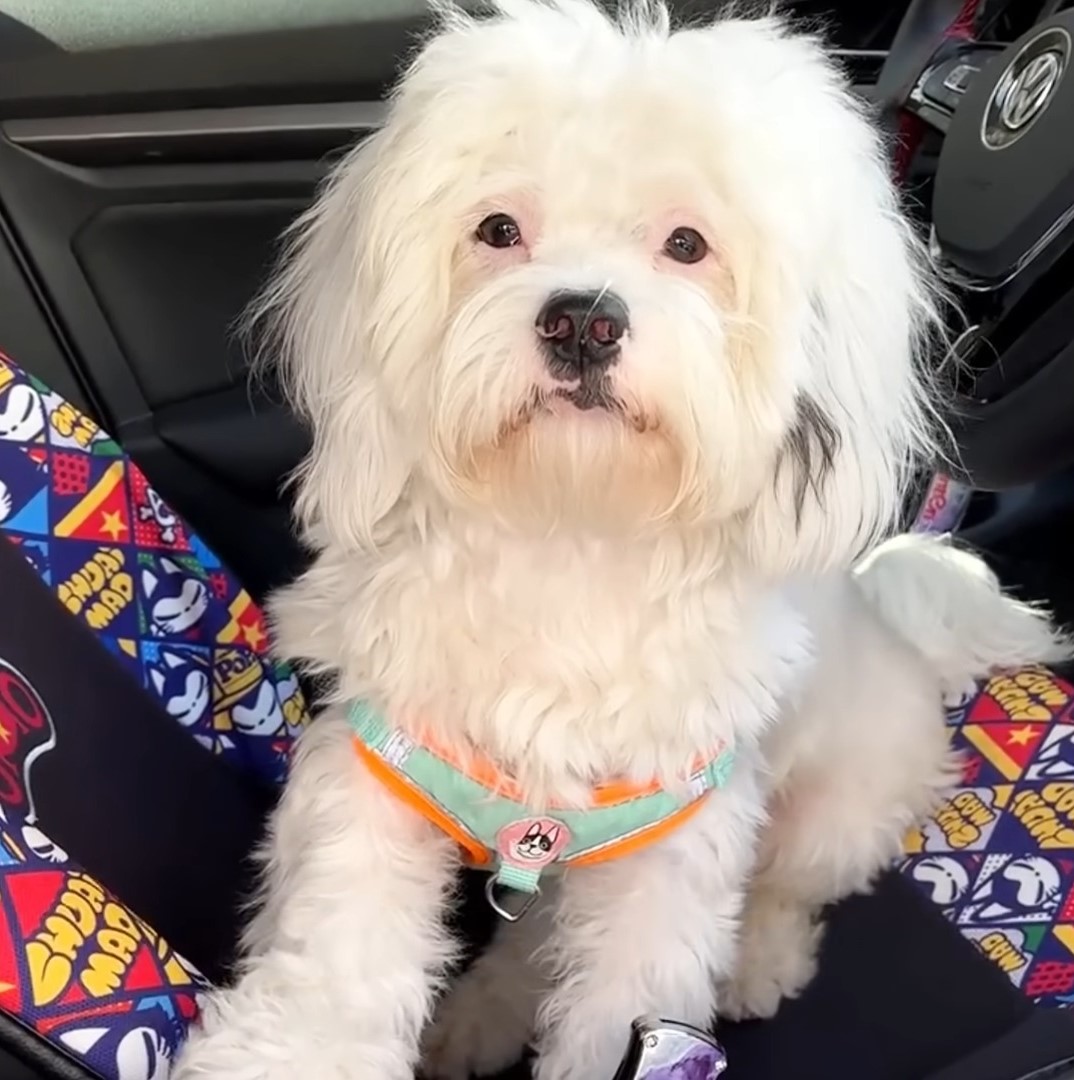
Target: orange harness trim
485, 812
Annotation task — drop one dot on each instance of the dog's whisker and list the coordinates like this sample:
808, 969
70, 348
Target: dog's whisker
598, 297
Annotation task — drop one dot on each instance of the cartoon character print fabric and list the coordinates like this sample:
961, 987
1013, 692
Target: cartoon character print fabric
84, 971
76, 965
124, 563
998, 856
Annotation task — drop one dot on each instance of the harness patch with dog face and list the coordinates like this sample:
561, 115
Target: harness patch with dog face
527, 846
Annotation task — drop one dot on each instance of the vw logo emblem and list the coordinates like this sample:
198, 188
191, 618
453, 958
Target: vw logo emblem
1029, 93
1025, 89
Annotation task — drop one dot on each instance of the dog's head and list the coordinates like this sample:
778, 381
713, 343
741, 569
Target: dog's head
594, 273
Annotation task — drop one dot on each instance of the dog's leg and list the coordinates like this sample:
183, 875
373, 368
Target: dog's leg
648, 934
488, 1017
777, 954
343, 961
867, 758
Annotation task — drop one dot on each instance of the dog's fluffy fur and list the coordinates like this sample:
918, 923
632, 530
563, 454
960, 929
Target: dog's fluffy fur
587, 594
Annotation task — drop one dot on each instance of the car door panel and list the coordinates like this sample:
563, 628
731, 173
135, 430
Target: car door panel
170, 278
147, 268
246, 448
27, 331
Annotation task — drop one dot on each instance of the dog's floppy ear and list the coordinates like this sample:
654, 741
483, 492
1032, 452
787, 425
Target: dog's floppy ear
841, 295
865, 419
315, 325
835, 311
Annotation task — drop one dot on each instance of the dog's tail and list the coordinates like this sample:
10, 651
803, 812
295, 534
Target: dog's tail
948, 604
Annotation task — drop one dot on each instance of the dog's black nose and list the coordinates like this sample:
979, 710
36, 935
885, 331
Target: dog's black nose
581, 331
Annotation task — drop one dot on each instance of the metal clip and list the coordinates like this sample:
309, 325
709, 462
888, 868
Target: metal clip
666, 1050
494, 890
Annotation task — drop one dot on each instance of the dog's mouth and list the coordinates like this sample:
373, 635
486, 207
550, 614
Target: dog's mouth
590, 395
587, 397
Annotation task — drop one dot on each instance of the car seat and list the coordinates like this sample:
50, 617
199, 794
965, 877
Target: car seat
144, 728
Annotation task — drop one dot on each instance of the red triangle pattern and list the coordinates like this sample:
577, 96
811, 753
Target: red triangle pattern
1018, 741
74, 994
10, 989
144, 974
102, 516
986, 710
32, 896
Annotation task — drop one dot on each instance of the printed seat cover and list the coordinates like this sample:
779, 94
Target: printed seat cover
76, 965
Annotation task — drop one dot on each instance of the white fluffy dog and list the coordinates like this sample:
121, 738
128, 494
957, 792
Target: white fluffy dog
611, 342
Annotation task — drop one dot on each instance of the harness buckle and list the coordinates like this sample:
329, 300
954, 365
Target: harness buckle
495, 891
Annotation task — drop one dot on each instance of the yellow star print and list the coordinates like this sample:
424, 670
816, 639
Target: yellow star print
1023, 736
112, 523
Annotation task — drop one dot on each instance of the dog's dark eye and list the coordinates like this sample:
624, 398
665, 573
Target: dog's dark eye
499, 231
686, 245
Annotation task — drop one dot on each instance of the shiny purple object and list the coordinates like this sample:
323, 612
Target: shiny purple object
701, 1063
666, 1050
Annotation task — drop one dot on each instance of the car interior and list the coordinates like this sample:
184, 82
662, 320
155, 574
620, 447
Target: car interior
144, 185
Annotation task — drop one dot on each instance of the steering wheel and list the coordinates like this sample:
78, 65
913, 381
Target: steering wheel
1002, 224
927, 28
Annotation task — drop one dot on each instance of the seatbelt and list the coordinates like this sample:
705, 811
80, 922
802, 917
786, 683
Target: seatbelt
943, 506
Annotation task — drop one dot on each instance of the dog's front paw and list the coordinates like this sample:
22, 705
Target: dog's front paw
216, 1061
277, 1052
777, 960
757, 994
217, 1058
475, 1032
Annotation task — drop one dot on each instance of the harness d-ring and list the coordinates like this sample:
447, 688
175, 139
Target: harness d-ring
494, 890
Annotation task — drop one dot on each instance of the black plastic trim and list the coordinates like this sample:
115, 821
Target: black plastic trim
60, 367
307, 131
40, 1059
1023, 435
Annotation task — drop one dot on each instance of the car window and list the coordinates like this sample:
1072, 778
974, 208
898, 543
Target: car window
90, 25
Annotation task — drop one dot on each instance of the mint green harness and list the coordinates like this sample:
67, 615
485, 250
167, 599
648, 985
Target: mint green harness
501, 833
